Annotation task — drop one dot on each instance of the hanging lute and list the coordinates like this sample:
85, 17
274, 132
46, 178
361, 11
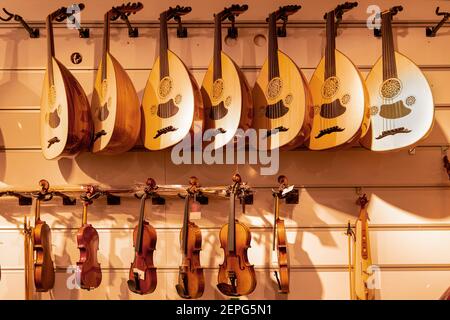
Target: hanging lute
115, 105
341, 104
226, 93
66, 125
402, 111
172, 101
281, 95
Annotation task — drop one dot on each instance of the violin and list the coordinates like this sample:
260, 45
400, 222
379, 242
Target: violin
142, 278
236, 275
87, 239
44, 270
280, 239
191, 280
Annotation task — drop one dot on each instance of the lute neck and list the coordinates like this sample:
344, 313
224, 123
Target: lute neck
330, 51
106, 39
50, 49
273, 48
163, 46
389, 64
217, 73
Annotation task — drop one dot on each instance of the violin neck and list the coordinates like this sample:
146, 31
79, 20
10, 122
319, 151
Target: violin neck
139, 237
85, 210
184, 235
232, 224
37, 210
276, 214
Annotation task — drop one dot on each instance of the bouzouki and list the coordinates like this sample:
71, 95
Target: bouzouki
142, 276
172, 101
66, 125
341, 104
88, 241
191, 279
236, 275
44, 270
226, 93
115, 105
281, 95
402, 108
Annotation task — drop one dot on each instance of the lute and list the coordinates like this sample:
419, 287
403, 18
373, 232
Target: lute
226, 93
115, 105
66, 125
402, 108
172, 101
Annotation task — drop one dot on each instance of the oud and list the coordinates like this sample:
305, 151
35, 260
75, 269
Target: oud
172, 100
341, 104
281, 95
226, 93
402, 108
115, 105
65, 125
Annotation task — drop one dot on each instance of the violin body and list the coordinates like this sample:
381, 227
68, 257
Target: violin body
44, 271
143, 261
283, 257
115, 110
237, 263
282, 105
404, 102
227, 101
90, 271
341, 105
66, 126
191, 279
170, 105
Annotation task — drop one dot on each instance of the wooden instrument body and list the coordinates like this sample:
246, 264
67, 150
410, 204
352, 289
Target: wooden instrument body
290, 88
89, 267
348, 88
143, 261
233, 91
180, 88
191, 268
416, 95
283, 256
237, 262
115, 109
65, 115
44, 270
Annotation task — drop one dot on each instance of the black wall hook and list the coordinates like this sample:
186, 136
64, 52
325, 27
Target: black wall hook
176, 14
231, 13
33, 32
431, 32
132, 32
123, 12
23, 200
71, 11
181, 31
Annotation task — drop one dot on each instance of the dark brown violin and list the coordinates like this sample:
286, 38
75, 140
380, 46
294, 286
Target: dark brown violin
280, 239
191, 280
142, 278
44, 270
236, 275
87, 239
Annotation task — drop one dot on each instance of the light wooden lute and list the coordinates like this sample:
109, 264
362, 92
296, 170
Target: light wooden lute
226, 93
341, 104
66, 125
281, 96
115, 105
172, 101
402, 108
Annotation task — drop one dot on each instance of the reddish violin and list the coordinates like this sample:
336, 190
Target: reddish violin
87, 238
142, 278
191, 280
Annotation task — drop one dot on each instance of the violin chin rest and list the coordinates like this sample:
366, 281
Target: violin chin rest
182, 292
227, 289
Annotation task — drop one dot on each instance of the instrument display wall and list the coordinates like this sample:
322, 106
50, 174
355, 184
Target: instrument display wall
409, 193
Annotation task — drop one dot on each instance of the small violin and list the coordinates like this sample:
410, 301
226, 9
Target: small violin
280, 239
44, 270
236, 275
142, 278
191, 280
88, 240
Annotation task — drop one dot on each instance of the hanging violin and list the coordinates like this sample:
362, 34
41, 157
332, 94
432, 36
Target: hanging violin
88, 240
280, 239
44, 270
142, 277
191, 280
236, 275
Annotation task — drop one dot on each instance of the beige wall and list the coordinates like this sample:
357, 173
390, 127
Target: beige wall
410, 225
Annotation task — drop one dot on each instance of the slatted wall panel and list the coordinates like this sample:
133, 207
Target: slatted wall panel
409, 193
